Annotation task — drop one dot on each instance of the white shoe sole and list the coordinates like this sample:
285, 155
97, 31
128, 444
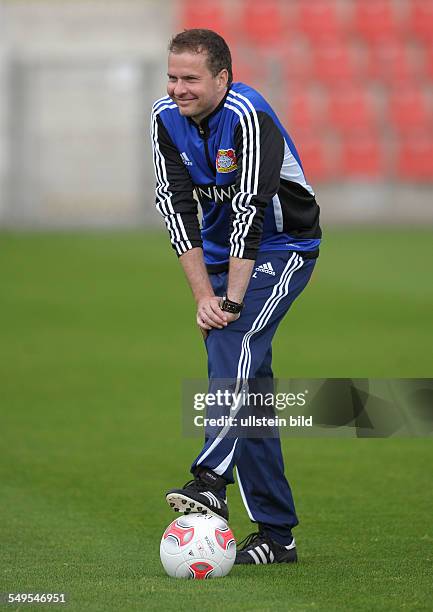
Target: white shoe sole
187, 505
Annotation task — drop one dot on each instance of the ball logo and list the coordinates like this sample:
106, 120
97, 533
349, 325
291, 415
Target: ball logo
226, 160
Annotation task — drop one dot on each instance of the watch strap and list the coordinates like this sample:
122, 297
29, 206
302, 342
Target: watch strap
230, 306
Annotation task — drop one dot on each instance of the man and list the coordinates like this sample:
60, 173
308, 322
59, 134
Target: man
252, 257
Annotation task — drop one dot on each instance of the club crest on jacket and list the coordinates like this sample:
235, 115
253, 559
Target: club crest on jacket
226, 160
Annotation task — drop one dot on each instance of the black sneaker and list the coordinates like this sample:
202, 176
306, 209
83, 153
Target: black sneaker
260, 548
200, 495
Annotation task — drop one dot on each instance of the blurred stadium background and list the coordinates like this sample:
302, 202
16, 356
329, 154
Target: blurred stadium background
90, 420
351, 79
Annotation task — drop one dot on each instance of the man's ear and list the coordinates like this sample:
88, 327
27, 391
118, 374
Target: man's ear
223, 78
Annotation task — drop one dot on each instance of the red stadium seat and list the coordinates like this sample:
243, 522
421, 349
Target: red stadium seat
263, 23
247, 70
351, 108
421, 19
361, 156
414, 159
296, 62
203, 14
314, 154
392, 61
428, 57
375, 19
409, 110
335, 63
304, 110
319, 19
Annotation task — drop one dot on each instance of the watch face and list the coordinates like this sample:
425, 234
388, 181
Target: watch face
231, 307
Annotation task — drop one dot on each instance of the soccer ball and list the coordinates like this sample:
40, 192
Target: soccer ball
198, 546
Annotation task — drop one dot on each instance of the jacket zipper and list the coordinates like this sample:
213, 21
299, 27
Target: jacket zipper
206, 149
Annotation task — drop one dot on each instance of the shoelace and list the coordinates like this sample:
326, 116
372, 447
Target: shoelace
197, 484
200, 486
187, 484
256, 537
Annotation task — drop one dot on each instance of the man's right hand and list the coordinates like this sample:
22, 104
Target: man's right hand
209, 314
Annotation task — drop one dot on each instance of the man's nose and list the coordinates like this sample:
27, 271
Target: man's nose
179, 88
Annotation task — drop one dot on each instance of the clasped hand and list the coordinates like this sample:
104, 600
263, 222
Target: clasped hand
210, 315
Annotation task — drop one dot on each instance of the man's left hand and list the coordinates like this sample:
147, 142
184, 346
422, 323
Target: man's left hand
230, 317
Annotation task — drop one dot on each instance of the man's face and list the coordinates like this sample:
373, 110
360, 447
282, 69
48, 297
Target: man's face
192, 86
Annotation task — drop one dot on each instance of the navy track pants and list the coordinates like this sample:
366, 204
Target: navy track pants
242, 351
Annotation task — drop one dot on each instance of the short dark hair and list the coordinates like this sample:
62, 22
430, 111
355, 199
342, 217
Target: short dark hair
198, 40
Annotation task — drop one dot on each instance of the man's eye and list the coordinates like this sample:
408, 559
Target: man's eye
172, 79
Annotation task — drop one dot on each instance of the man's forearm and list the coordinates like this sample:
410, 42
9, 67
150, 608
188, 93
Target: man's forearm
239, 276
195, 271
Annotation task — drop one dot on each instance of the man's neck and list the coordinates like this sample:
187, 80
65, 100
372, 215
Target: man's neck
199, 118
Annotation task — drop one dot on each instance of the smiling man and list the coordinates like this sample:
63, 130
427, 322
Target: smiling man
192, 86
251, 258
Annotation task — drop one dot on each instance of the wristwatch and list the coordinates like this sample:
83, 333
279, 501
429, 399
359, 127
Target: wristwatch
229, 306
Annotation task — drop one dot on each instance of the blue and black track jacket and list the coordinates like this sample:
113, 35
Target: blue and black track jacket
243, 168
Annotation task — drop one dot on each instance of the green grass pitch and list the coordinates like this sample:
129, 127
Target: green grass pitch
97, 332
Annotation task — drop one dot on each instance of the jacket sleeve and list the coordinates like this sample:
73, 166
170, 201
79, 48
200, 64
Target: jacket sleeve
259, 153
174, 191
